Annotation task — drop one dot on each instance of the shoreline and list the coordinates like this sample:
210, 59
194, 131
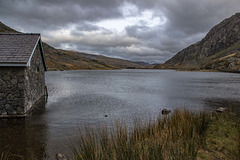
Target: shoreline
176, 69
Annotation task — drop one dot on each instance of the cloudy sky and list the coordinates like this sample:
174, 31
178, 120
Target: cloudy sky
138, 30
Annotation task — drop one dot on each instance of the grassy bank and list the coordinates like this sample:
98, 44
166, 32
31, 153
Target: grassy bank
221, 138
181, 136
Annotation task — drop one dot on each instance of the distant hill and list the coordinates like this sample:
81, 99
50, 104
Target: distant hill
119, 63
58, 59
218, 50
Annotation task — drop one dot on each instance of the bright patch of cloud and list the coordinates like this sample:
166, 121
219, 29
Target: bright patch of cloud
95, 38
129, 9
132, 17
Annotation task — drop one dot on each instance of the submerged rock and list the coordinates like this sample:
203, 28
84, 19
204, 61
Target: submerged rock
165, 111
221, 109
59, 156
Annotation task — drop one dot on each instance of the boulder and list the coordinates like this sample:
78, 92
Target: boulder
59, 156
165, 111
221, 109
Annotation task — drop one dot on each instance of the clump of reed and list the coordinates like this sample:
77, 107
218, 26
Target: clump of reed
9, 156
177, 136
4, 156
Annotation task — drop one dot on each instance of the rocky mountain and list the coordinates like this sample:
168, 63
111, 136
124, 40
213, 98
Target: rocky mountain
58, 59
218, 50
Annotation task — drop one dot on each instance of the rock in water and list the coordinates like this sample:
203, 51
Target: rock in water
59, 156
221, 109
165, 111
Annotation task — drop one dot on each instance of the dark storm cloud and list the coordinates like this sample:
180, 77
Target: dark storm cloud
198, 16
56, 13
74, 24
83, 26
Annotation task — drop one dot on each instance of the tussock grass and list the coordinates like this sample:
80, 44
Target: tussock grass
9, 156
178, 136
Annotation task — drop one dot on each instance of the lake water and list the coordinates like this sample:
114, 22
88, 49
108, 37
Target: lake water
79, 98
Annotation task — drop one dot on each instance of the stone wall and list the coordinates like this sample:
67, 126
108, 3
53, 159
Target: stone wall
35, 80
11, 90
21, 87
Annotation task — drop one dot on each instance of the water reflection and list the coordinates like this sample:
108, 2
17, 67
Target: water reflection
22, 137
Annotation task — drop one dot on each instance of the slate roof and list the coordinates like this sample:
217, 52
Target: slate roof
17, 48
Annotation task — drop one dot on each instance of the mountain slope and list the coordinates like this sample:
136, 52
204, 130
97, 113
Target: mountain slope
58, 59
6, 29
219, 49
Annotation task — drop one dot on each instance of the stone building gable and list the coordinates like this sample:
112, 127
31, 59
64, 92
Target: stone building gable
34, 80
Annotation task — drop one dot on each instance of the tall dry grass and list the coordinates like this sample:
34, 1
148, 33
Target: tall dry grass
4, 156
178, 136
9, 156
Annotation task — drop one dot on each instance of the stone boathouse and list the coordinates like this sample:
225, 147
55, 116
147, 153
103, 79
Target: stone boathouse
22, 73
